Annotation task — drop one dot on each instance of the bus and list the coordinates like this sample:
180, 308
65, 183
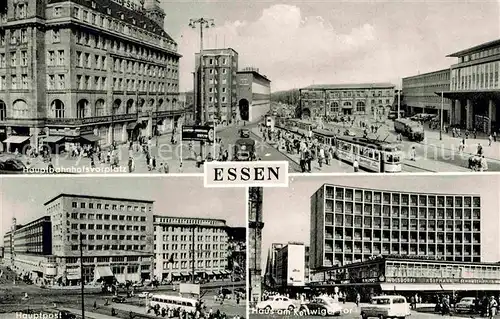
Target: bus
414, 131
244, 150
173, 302
375, 156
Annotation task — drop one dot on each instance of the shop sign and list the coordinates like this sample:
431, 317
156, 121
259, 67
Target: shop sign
421, 280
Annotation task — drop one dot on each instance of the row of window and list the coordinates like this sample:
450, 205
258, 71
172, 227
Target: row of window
106, 217
479, 55
189, 264
108, 237
107, 227
190, 254
16, 82
116, 207
481, 76
134, 67
91, 260
96, 19
344, 94
346, 103
425, 80
16, 59
127, 248
189, 238
183, 229
198, 246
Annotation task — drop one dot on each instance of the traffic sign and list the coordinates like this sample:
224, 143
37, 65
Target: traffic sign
198, 133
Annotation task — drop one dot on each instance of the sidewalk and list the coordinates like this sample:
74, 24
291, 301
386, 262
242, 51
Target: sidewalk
88, 314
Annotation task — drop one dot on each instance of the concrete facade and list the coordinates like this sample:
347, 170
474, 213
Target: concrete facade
351, 224
85, 72
419, 93
254, 95
174, 245
219, 84
117, 238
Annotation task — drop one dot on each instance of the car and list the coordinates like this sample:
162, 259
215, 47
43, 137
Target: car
349, 133
226, 291
64, 314
276, 303
466, 304
119, 299
11, 165
244, 133
386, 307
321, 306
145, 294
138, 284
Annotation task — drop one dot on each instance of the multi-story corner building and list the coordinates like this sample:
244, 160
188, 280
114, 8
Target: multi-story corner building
474, 87
336, 100
219, 94
85, 72
255, 226
351, 224
180, 241
254, 95
116, 237
419, 93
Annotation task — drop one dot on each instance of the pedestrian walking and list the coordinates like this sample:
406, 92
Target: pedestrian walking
131, 164
355, 165
494, 136
413, 153
490, 139
483, 165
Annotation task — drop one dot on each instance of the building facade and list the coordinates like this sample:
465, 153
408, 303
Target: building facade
337, 100
474, 87
219, 94
255, 226
116, 237
290, 265
180, 241
254, 95
419, 93
271, 265
85, 72
237, 248
351, 224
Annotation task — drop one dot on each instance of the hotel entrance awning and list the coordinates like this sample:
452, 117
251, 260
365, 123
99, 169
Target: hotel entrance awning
470, 94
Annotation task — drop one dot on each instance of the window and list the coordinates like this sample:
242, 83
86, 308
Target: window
2, 60
61, 82
51, 82
2, 87
76, 13
13, 59
56, 37
24, 81
24, 58
22, 10
57, 11
60, 57
13, 81
24, 36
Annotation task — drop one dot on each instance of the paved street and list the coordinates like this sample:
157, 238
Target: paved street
351, 311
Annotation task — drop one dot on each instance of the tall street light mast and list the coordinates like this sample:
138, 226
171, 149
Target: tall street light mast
203, 23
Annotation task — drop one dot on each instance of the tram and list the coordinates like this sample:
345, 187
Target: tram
244, 150
375, 156
412, 130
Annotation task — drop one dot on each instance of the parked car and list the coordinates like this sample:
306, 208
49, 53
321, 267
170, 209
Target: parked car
321, 306
145, 294
11, 165
276, 303
386, 307
138, 284
119, 299
466, 304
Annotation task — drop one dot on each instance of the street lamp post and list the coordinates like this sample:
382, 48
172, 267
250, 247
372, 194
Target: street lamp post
204, 23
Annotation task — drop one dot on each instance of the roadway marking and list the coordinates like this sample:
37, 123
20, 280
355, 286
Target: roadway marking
268, 154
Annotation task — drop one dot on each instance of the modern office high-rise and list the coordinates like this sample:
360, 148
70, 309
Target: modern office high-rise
350, 224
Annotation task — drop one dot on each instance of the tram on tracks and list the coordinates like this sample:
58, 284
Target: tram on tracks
244, 150
375, 156
295, 125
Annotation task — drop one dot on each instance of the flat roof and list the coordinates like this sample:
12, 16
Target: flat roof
349, 86
98, 197
397, 191
192, 218
254, 73
476, 48
427, 73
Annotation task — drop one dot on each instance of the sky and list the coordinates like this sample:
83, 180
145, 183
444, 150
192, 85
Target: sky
299, 43
294, 203
23, 197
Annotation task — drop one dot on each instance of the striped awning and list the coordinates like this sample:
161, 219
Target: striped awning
15, 139
209, 272
216, 272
